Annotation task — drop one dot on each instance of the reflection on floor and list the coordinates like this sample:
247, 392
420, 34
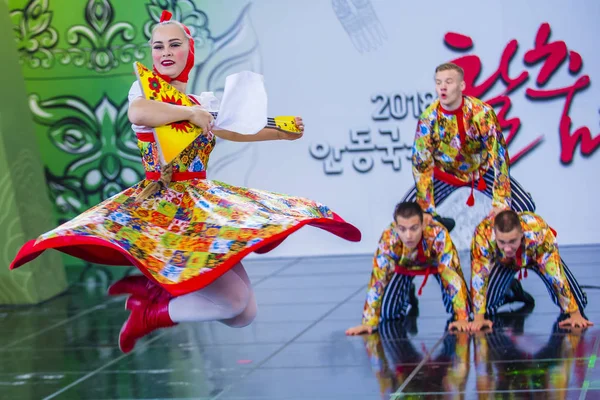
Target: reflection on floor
296, 349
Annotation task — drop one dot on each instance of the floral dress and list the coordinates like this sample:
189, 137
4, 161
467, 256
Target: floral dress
189, 233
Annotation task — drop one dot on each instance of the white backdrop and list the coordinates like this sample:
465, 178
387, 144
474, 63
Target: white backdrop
336, 62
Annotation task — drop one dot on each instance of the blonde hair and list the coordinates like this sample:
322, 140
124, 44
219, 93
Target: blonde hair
169, 22
451, 67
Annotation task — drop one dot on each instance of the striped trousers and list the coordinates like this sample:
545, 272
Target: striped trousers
395, 301
501, 277
521, 200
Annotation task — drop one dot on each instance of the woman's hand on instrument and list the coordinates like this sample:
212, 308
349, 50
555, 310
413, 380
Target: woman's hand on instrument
201, 118
284, 135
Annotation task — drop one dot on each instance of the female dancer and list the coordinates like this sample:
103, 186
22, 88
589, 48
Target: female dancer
185, 233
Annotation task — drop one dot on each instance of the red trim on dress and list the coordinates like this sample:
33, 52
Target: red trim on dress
102, 251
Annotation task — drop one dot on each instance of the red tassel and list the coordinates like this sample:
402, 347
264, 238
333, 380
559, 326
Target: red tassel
520, 274
165, 16
525, 272
424, 282
471, 200
553, 231
481, 185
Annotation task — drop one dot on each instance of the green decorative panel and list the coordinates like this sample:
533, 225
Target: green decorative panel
25, 209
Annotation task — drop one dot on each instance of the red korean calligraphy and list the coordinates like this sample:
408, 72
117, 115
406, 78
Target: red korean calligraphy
553, 55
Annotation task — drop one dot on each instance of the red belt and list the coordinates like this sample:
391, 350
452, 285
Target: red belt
416, 272
454, 181
177, 176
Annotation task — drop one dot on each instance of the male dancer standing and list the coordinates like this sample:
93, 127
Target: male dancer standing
459, 143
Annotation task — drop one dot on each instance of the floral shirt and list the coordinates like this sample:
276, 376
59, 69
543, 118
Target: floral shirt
437, 250
464, 143
538, 250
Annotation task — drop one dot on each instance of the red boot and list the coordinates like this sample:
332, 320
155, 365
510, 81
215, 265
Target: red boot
145, 317
139, 286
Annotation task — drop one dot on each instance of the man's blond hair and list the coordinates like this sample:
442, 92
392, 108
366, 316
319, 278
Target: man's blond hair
451, 67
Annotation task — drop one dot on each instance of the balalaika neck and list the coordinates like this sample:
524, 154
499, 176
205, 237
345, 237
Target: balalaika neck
270, 121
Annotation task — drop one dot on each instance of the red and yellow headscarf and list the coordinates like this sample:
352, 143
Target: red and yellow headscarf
183, 76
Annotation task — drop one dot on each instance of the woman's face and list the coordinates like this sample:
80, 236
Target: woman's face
170, 48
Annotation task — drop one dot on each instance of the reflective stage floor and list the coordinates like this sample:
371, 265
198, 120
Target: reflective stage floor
296, 349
